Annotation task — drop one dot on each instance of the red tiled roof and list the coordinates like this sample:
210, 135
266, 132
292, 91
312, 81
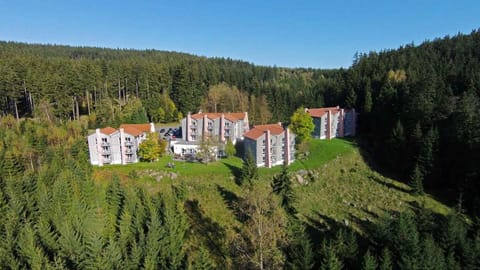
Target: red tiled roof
230, 116
257, 131
141, 127
107, 130
319, 112
132, 131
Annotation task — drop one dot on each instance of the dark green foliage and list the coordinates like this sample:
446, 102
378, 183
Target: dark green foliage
416, 181
282, 186
299, 253
330, 260
249, 171
386, 260
419, 108
369, 261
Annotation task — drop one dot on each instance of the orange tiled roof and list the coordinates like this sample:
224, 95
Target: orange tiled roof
230, 116
141, 127
319, 112
132, 131
257, 131
107, 130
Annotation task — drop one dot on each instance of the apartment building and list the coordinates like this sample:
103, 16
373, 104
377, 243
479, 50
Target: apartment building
117, 146
219, 127
333, 122
224, 126
270, 145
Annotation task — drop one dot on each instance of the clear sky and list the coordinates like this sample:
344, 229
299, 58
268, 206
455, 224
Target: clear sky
320, 34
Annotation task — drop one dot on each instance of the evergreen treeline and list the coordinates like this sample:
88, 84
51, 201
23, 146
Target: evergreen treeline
419, 105
420, 114
54, 216
80, 81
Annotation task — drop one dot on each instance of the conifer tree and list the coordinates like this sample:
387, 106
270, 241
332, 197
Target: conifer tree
299, 253
330, 260
282, 186
369, 261
386, 260
203, 260
416, 181
249, 171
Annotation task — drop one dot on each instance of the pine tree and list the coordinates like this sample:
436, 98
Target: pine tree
330, 260
282, 186
428, 151
432, 256
369, 261
386, 260
367, 102
182, 93
416, 181
299, 253
249, 171
203, 260
11, 165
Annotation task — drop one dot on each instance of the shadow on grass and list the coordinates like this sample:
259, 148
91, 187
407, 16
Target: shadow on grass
365, 150
236, 172
210, 232
232, 201
389, 185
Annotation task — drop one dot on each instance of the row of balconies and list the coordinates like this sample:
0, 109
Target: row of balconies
209, 127
106, 144
108, 151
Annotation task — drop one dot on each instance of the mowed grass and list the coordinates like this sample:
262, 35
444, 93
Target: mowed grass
345, 189
321, 151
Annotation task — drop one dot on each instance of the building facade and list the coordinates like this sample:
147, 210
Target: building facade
270, 145
217, 127
117, 146
224, 126
333, 122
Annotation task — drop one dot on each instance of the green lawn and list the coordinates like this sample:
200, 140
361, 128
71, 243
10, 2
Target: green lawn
321, 151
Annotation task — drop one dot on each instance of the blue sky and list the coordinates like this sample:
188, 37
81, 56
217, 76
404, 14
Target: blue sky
320, 34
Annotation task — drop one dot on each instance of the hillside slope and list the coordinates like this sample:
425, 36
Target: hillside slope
337, 185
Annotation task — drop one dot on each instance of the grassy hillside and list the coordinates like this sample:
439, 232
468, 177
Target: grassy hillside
342, 188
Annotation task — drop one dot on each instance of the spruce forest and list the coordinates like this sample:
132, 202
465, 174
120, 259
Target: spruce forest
418, 122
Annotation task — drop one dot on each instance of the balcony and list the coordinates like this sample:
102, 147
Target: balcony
105, 144
128, 151
106, 151
128, 143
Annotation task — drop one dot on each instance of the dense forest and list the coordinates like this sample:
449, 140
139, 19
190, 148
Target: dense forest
419, 120
55, 216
